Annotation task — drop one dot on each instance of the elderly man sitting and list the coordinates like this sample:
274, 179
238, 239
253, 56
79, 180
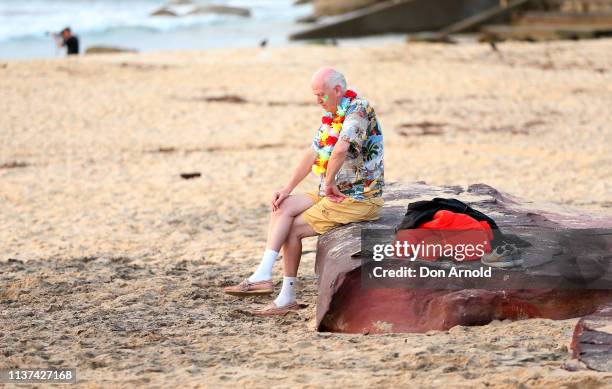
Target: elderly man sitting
347, 153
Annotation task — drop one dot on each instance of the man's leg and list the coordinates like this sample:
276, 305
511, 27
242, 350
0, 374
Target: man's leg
292, 253
281, 221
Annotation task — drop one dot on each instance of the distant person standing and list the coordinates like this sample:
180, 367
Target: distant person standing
65, 38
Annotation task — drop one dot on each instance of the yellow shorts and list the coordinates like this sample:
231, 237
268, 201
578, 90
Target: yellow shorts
326, 214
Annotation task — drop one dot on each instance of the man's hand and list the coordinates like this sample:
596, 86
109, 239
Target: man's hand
333, 166
332, 191
278, 197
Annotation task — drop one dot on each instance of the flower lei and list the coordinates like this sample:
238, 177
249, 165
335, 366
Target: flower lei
329, 132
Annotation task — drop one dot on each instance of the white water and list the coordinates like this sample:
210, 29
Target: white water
24, 25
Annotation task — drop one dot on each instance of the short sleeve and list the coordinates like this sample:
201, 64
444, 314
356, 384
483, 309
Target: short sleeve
355, 124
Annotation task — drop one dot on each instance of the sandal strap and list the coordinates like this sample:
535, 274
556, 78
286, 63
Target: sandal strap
245, 285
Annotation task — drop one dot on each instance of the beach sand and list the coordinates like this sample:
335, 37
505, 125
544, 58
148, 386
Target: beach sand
112, 264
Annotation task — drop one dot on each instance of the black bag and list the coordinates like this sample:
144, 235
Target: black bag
421, 212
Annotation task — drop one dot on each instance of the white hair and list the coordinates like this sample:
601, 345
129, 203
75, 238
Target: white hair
335, 78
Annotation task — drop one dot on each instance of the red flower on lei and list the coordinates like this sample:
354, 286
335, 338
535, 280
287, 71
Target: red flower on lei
330, 137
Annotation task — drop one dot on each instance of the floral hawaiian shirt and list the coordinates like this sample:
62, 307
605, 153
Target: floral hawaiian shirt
362, 173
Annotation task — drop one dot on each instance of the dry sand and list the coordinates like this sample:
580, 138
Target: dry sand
111, 263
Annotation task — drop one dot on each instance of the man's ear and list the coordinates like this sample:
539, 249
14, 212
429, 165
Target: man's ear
338, 89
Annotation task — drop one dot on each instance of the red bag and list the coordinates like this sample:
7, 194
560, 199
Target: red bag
448, 234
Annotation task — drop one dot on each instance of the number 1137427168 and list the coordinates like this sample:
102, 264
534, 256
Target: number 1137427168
38, 375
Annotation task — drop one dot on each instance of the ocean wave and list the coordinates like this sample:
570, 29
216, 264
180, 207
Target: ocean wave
152, 27
32, 20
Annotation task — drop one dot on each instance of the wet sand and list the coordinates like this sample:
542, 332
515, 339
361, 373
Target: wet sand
110, 262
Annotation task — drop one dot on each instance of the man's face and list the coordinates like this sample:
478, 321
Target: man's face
65, 34
327, 98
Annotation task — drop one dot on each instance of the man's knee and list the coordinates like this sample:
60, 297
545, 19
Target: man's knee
281, 211
285, 209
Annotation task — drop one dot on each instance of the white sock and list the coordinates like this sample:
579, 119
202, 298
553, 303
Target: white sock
264, 270
287, 293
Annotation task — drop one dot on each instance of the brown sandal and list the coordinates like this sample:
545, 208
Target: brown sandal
247, 288
272, 310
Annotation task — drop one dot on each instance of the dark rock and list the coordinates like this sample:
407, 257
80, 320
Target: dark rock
399, 16
221, 10
308, 19
592, 340
163, 11
545, 286
188, 176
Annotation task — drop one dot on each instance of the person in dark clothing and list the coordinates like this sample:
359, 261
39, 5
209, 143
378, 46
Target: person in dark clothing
71, 42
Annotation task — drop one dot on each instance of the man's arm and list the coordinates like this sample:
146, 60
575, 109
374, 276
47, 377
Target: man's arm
333, 166
299, 173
